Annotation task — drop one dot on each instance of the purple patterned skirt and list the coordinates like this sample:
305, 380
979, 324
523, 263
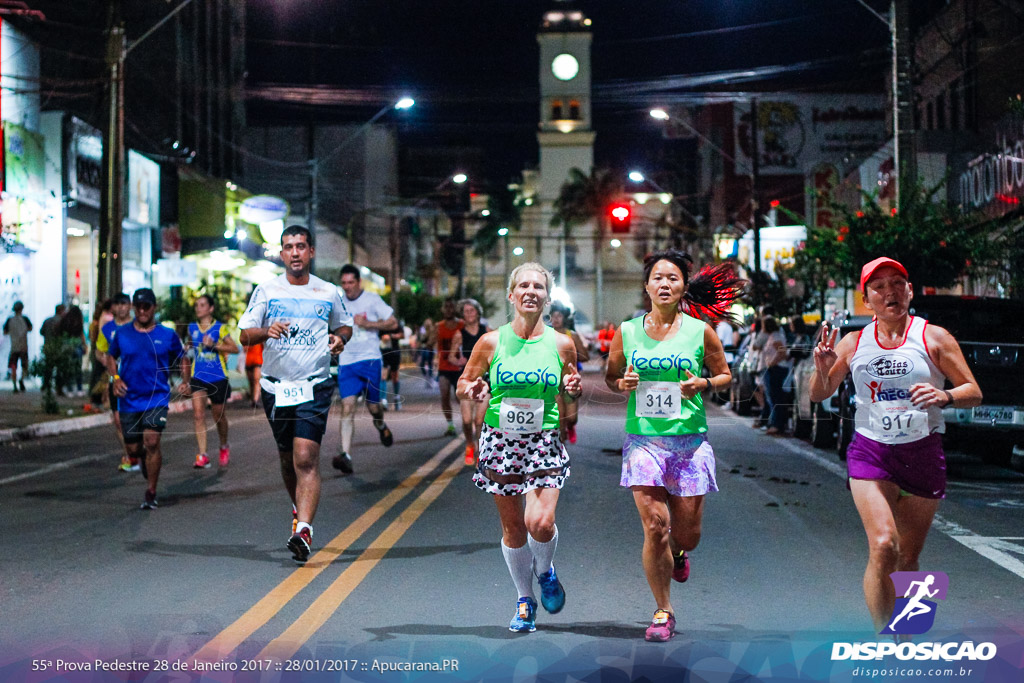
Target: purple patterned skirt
683, 465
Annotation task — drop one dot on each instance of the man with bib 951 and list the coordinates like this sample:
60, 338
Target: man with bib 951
521, 457
301, 322
896, 465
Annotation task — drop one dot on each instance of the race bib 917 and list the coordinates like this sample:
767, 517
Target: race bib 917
522, 415
897, 421
659, 399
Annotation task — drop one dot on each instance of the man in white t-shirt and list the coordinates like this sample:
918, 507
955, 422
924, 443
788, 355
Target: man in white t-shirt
301, 322
359, 368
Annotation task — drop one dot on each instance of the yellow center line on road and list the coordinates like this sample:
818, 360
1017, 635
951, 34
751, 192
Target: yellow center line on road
289, 642
230, 638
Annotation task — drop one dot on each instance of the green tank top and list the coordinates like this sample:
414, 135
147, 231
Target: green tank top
524, 369
663, 411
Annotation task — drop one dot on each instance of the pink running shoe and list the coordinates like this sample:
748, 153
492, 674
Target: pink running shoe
662, 627
202, 462
572, 434
681, 568
225, 455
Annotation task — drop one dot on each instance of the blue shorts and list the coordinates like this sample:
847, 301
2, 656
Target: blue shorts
363, 375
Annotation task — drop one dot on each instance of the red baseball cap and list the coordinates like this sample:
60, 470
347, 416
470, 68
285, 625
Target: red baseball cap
869, 269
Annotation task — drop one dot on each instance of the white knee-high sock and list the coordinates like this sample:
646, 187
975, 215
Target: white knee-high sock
543, 553
520, 566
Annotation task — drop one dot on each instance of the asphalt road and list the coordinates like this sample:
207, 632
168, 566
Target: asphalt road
407, 570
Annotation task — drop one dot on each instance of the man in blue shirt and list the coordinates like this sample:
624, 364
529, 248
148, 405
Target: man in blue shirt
147, 352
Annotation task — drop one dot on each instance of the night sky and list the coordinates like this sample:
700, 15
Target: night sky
472, 65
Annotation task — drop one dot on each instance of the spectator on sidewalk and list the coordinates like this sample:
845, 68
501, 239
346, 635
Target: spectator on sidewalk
72, 328
17, 328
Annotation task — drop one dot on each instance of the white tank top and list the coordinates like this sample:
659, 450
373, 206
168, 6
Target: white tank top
883, 378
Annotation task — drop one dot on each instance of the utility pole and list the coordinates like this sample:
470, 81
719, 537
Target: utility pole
112, 199
755, 167
905, 161
314, 183
599, 273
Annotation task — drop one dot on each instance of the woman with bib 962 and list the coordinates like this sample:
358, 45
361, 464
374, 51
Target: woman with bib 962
666, 460
896, 465
521, 457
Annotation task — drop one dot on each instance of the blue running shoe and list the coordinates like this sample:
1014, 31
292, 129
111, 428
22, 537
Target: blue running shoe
552, 595
526, 616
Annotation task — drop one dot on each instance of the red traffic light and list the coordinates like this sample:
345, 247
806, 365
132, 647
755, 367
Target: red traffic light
621, 215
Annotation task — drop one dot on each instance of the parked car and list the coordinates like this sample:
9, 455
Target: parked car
829, 423
743, 370
991, 335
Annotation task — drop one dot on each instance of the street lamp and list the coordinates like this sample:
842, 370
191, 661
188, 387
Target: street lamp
459, 178
518, 251
662, 115
637, 176
314, 161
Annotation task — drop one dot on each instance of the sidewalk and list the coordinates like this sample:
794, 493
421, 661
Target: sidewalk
22, 415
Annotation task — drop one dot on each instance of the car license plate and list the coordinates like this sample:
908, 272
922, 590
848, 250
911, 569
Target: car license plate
1001, 414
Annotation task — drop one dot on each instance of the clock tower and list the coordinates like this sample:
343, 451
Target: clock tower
565, 134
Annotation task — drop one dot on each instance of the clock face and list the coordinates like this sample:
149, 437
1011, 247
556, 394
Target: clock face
565, 67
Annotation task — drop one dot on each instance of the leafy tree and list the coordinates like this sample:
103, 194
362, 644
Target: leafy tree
503, 212
936, 242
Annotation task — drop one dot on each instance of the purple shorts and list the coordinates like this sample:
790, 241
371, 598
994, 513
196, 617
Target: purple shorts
919, 467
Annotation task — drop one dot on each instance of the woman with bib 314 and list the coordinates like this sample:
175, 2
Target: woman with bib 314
666, 460
896, 465
522, 461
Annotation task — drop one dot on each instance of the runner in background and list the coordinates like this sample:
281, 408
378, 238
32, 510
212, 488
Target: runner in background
302, 322
121, 308
896, 465
147, 353
427, 339
391, 357
447, 371
568, 411
360, 368
523, 463
209, 343
604, 341
667, 462
462, 348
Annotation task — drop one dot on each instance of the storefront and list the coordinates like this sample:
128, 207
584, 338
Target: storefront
30, 236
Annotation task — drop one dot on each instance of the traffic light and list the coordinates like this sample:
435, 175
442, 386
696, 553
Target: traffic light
621, 215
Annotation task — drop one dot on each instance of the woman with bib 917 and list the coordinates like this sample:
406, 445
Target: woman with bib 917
666, 460
521, 457
896, 465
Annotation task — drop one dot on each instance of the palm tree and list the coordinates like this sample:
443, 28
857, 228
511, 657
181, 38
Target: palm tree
584, 198
502, 212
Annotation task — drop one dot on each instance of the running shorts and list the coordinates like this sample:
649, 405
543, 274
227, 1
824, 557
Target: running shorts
134, 424
305, 421
452, 375
218, 391
355, 378
918, 467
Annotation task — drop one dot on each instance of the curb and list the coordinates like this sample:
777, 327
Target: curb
74, 424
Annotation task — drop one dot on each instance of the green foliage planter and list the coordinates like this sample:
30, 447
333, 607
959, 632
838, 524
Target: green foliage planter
57, 362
